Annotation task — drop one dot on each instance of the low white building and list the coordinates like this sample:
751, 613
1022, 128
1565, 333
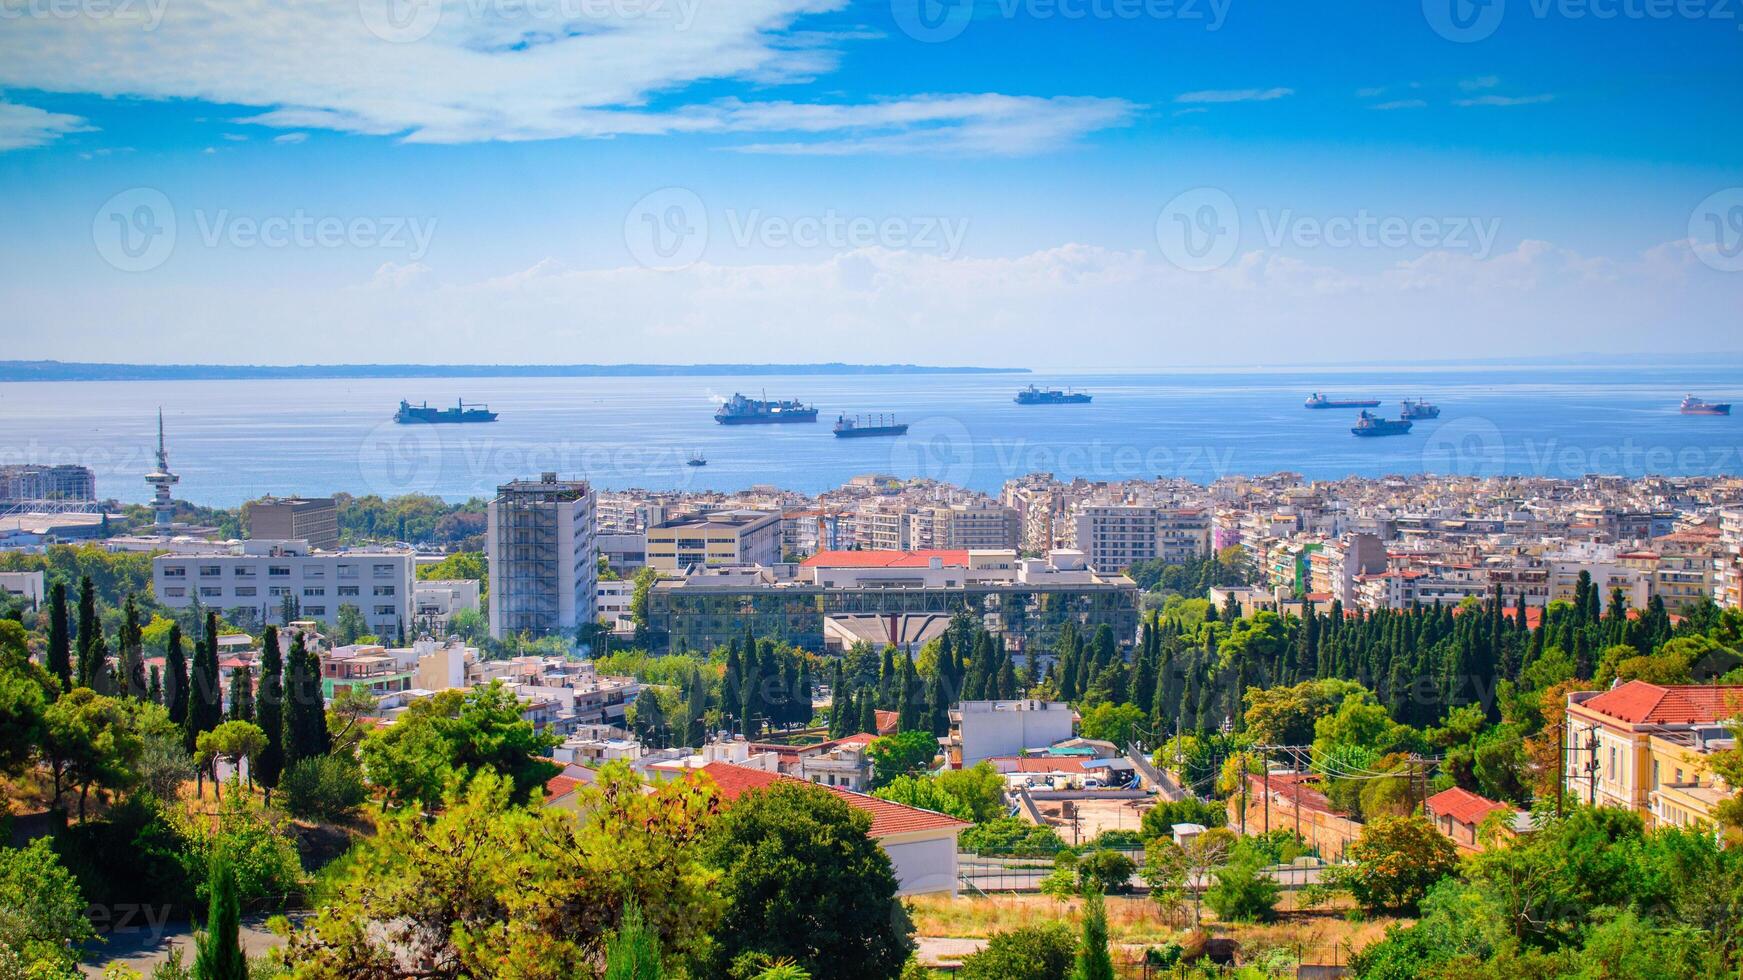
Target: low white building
436, 600
612, 603
27, 586
257, 575
985, 729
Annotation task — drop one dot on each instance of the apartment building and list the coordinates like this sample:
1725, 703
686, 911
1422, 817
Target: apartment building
254, 578
1642, 746
714, 540
25, 482
1728, 562
1115, 537
436, 600
286, 518
988, 729
974, 525
543, 563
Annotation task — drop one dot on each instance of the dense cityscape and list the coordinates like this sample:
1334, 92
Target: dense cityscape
1262, 724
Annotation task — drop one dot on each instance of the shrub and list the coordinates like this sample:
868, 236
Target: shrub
1242, 893
322, 788
1010, 837
1041, 952
1160, 819
1106, 871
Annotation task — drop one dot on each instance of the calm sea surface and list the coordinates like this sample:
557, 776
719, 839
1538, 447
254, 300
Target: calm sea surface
233, 440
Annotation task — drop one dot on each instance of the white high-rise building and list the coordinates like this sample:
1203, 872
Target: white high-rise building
543, 556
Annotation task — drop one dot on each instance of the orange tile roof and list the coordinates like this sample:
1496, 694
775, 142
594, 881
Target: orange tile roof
1640, 703
887, 818
887, 721
1462, 805
1297, 788
957, 558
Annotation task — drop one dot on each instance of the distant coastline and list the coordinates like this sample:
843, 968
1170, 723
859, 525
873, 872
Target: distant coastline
85, 371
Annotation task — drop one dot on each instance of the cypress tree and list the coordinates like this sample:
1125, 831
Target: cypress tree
91, 662
731, 699
218, 950
176, 679
305, 714
1093, 960
154, 688
205, 698
60, 651
839, 703
633, 951
242, 694
868, 713
132, 665
269, 709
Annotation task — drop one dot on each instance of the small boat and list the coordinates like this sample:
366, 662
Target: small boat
1373, 425
1419, 409
410, 414
1694, 406
696, 459
877, 425
1317, 400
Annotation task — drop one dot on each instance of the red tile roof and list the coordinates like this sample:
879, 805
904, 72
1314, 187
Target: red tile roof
1462, 805
1297, 788
887, 721
1640, 703
886, 559
887, 818
1044, 763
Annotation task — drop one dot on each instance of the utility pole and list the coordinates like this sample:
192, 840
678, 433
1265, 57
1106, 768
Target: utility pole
1592, 744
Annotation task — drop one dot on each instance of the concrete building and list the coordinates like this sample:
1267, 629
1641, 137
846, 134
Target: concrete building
543, 563
1115, 537
988, 729
26, 483
26, 587
612, 603
714, 540
623, 551
255, 577
436, 600
288, 518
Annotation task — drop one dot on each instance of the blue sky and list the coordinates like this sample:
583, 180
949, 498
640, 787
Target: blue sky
791, 180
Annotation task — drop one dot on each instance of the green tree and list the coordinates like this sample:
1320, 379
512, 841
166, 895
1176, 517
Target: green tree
350, 626
925, 793
802, 880
205, 698
60, 656
1093, 960
901, 754
43, 927
269, 711
1116, 723
1395, 861
91, 657
448, 739
176, 677
232, 741
305, 715
89, 740
634, 950
323, 787
218, 948
1243, 893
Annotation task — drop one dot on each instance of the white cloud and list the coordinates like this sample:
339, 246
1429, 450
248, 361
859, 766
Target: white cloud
1506, 100
473, 71
23, 126
1235, 95
1479, 83
1400, 104
290, 137
1371, 92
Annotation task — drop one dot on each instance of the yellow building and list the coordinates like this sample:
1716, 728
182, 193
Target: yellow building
734, 537
1643, 746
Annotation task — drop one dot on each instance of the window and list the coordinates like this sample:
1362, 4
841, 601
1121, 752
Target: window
245, 591
345, 590
384, 571
347, 571
278, 591
314, 591
210, 591
278, 571
314, 571
175, 571
384, 590
243, 571
314, 610
385, 610
174, 592
211, 571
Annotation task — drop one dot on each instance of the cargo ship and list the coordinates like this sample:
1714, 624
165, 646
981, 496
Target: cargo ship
1694, 406
1317, 400
878, 425
759, 411
1051, 396
410, 414
1419, 409
1373, 425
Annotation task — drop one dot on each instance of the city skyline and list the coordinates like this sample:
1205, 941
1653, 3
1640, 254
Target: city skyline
606, 182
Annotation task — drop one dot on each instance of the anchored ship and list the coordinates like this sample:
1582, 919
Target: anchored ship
1419, 409
876, 425
759, 411
409, 414
1373, 425
1051, 396
1317, 400
696, 459
1694, 406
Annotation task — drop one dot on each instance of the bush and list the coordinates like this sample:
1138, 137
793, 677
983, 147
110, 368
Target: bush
1242, 893
322, 788
1119, 840
1041, 952
1010, 837
1160, 819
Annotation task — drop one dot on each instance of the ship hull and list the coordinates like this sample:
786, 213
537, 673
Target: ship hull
440, 419
1357, 404
1708, 410
1067, 400
868, 432
1374, 432
775, 418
